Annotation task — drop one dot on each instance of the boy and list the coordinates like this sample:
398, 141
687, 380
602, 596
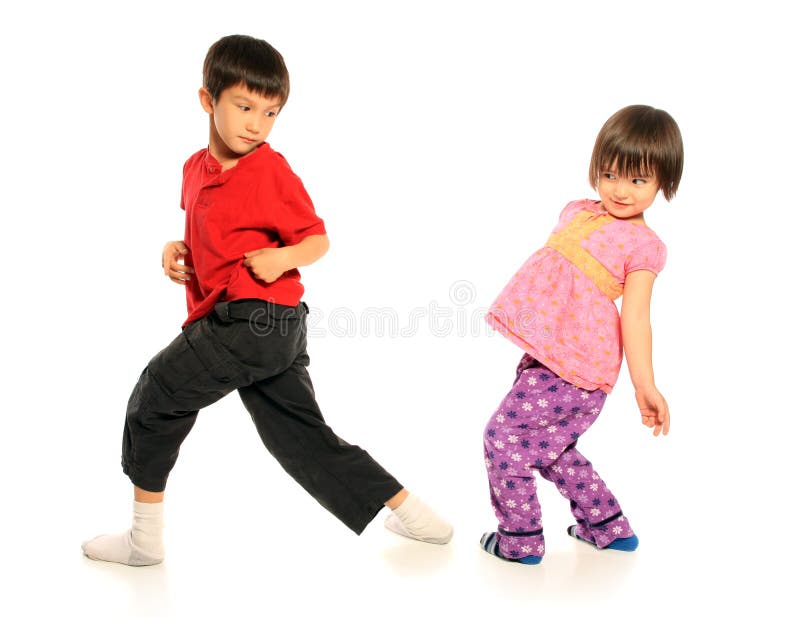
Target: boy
249, 226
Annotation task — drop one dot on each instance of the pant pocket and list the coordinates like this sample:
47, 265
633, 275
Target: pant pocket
211, 353
194, 365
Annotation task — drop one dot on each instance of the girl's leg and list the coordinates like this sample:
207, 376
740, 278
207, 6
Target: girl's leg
510, 452
599, 517
516, 506
536, 427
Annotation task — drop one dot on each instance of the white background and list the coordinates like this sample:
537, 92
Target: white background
439, 141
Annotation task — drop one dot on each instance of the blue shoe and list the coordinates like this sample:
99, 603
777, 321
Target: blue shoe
490, 544
620, 544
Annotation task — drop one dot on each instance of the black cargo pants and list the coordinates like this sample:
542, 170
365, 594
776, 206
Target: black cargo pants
259, 349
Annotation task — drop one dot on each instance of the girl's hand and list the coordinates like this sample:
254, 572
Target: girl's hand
654, 410
172, 262
268, 264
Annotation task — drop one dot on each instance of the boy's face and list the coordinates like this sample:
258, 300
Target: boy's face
240, 121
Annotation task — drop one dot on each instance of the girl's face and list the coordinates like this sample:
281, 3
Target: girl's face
626, 197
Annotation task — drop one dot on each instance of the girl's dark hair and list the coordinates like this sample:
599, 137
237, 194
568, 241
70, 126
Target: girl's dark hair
640, 140
241, 59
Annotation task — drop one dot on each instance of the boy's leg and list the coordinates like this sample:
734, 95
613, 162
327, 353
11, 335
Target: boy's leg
212, 357
344, 478
190, 373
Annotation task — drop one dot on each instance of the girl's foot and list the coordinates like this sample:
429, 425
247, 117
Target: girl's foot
620, 544
490, 544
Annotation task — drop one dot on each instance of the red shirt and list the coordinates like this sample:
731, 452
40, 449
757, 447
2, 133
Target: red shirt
256, 204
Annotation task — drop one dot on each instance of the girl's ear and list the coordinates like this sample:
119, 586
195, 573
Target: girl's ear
206, 100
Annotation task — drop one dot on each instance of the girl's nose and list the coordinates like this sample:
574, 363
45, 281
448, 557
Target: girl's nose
620, 191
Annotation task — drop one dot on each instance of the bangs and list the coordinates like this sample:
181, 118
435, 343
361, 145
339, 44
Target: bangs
627, 162
263, 75
263, 85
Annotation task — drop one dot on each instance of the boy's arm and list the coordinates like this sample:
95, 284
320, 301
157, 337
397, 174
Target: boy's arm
637, 341
171, 260
269, 264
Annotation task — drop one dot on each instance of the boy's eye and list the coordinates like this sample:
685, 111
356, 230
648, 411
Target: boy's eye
272, 114
244, 108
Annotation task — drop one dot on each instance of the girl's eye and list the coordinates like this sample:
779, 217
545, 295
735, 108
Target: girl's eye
271, 114
609, 176
639, 181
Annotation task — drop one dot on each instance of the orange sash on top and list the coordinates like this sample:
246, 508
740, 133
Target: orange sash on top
567, 241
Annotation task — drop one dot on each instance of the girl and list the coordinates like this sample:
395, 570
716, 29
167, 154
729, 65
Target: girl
559, 308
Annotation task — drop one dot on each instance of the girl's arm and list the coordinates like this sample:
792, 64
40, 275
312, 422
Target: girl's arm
637, 341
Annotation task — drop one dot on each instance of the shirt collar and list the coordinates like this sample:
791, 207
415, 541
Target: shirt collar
214, 167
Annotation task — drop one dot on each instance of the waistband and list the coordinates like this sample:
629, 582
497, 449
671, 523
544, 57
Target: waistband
258, 311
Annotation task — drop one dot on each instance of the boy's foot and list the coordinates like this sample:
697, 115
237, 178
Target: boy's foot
491, 545
141, 545
620, 544
414, 519
119, 548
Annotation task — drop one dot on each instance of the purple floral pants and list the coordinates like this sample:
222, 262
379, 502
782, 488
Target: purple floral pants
536, 427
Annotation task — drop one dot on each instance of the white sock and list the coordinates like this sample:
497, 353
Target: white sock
414, 519
141, 545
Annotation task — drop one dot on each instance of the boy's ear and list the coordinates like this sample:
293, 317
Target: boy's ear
206, 100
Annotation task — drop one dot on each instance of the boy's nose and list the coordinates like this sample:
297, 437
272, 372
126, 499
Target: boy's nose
253, 125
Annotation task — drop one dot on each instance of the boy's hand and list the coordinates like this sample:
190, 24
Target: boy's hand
172, 262
268, 264
654, 410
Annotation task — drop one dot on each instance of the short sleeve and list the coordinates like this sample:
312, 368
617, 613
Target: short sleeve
649, 254
296, 218
573, 208
186, 167
570, 210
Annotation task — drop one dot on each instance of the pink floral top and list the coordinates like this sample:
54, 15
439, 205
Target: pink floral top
559, 306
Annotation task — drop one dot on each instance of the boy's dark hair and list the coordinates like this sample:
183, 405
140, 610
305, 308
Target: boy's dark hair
640, 140
242, 59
